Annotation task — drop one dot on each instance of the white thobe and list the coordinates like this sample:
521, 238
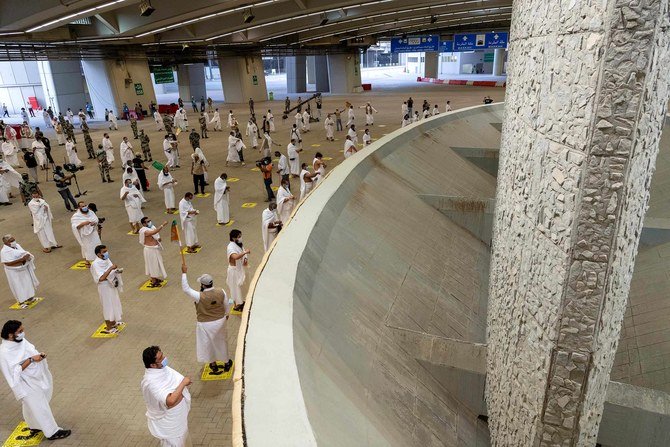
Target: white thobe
170, 153
231, 120
40, 152
252, 133
369, 119
10, 153
153, 256
236, 274
293, 159
404, 109
108, 290
349, 148
350, 117
305, 187
295, 135
87, 236
405, 122
164, 183
269, 234
113, 122
72, 154
367, 139
42, 222
216, 120
32, 386
321, 171
180, 119
210, 336
271, 121
159, 120
282, 165
266, 147
305, 121
170, 425
133, 202
329, 125
21, 278
233, 156
188, 223
448, 108
126, 152
108, 147
298, 120
354, 136
221, 201
285, 204
436, 111
8, 179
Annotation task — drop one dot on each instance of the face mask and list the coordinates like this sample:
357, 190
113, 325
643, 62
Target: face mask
12, 244
84, 209
239, 242
19, 337
164, 363
105, 256
150, 224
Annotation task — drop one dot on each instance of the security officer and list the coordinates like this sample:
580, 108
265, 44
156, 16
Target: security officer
203, 125
88, 141
103, 165
133, 126
194, 139
167, 123
144, 142
69, 131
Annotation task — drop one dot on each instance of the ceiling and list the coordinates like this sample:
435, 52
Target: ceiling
194, 29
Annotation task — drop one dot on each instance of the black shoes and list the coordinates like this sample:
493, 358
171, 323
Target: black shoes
60, 434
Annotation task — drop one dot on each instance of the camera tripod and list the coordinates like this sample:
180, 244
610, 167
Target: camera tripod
79, 193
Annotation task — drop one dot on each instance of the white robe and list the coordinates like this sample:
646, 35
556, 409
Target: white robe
159, 120
284, 204
233, 156
216, 120
170, 153
252, 133
349, 148
108, 147
72, 154
188, 223
293, 159
321, 171
9, 179
306, 126
21, 278
180, 119
40, 152
282, 165
167, 188
298, 120
210, 336
87, 236
271, 121
236, 274
10, 153
369, 110
329, 125
42, 222
133, 204
108, 292
231, 120
112, 121
170, 425
354, 136
153, 256
367, 139
269, 234
305, 187
32, 386
350, 117
266, 147
126, 152
221, 201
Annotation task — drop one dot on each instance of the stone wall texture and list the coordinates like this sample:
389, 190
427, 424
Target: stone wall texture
586, 99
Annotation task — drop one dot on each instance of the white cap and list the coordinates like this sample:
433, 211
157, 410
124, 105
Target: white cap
205, 279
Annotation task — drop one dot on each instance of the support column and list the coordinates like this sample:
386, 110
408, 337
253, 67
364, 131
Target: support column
191, 81
296, 75
64, 85
344, 72
431, 64
242, 78
498, 61
584, 111
311, 69
321, 73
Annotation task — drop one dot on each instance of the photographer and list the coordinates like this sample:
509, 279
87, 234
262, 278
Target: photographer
63, 182
265, 165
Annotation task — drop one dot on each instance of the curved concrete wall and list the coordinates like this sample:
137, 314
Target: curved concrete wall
357, 289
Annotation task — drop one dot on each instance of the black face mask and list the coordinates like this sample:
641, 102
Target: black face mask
239, 243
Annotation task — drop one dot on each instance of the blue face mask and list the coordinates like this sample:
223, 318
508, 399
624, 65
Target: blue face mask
164, 363
84, 209
150, 224
105, 256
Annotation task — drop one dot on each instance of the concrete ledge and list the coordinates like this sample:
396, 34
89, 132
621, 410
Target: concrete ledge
463, 82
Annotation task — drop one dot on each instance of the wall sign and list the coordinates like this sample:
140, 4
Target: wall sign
139, 90
163, 75
483, 41
415, 44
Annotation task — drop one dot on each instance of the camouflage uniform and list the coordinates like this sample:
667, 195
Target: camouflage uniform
194, 139
146, 150
88, 141
203, 126
167, 123
103, 165
69, 131
26, 188
133, 126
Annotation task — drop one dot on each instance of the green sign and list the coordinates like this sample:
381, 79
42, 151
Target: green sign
138, 89
163, 75
488, 57
254, 79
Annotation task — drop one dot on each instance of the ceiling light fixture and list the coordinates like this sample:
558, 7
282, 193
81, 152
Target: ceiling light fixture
71, 16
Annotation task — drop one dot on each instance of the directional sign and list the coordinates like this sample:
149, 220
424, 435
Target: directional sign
446, 46
163, 75
414, 44
483, 41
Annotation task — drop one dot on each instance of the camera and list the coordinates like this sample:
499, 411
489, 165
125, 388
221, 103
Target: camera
263, 162
69, 167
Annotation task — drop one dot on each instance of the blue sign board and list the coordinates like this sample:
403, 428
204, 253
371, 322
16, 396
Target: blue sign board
415, 44
446, 46
482, 41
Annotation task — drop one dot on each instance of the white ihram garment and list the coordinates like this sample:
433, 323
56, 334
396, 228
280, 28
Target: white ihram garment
293, 159
170, 425
269, 234
8, 179
159, 120
72, 154
305, 187
133, 203
108, 290
42, 222
329, 125
126, 152
188, 223
108, 147
252, 133
216, 121
32, 386
354, 136
167, 188
284, 204
40, 151
21, 278
10, 153
87, 236
233, 156
236, 273
271, 121
153, 255
221, 201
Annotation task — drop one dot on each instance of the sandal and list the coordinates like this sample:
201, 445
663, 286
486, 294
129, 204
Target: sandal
60, 434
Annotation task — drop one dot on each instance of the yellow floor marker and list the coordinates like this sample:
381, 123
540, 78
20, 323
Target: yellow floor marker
342, 150
173, 212
235, 312
230, 222
80, 265
17, 306
255, 169
275, 160
275, 188
206, 376
22, 430
327, 158
232, 179
249, 205
130, 233
337, 139
382, 125
197, 250
146, 287
101, 332
202, 196
316, 145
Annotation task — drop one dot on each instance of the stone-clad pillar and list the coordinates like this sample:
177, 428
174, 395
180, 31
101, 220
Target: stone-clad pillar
586, 98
